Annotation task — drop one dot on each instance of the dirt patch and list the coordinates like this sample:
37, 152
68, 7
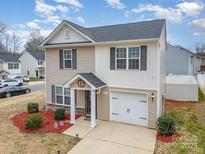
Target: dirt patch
13, 141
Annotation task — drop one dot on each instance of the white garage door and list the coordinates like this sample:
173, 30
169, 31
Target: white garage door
129, 108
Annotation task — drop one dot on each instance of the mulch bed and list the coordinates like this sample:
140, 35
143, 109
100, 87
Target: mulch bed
168, 139
47, 125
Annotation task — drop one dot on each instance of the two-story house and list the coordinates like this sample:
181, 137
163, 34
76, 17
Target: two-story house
114, 73
10, 66
33, 63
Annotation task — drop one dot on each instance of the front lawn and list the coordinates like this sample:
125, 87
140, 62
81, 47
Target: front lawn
32, 79
14, 141
190, 124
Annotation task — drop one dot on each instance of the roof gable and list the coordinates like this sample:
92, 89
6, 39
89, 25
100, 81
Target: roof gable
59, 35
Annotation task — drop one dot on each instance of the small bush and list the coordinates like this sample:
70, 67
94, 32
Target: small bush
166, 125
34, 121
60, 114
32, 107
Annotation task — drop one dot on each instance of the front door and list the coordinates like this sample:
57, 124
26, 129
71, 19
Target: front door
87, 103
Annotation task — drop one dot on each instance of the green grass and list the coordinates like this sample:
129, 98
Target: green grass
201, 95
187, 123
32, 79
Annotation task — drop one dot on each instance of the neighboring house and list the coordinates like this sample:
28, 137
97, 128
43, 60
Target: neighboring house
10, 66
181, 61
33, 63
114, 73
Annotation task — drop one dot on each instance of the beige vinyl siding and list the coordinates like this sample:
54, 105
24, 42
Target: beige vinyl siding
57, 76
103, 104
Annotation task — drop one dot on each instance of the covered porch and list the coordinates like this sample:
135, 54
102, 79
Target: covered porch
90, 85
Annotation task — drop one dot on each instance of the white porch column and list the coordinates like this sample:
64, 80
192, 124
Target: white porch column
93, 109
72, 106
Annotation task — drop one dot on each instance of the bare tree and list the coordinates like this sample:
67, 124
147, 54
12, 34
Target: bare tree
7, 40
16, 41
200, 49
35, 41
3, 28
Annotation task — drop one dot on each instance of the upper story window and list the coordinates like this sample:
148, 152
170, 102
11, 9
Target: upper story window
67, 58
13, 65
128, 58
40, 62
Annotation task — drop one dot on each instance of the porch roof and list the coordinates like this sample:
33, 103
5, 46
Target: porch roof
90, 78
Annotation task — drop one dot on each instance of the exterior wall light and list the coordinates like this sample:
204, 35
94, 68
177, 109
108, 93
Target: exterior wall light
152, 96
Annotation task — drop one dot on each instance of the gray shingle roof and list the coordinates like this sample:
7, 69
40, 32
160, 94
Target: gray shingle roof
8, 57
39, 55
94, 80
129, 31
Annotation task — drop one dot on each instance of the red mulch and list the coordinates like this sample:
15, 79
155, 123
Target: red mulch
168, 139
47, 125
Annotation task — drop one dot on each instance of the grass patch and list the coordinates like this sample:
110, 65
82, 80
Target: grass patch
201, 95
191, 128
32, 79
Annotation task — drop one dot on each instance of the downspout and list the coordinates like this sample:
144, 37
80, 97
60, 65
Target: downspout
158, 80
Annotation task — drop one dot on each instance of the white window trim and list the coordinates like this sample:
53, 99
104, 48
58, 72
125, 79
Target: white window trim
68, 59
63, 95
133, 58
13, 64
58, 94
127, 58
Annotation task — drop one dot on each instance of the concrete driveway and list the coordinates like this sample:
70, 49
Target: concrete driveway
116, 138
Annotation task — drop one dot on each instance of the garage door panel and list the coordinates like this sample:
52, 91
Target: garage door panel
129, 108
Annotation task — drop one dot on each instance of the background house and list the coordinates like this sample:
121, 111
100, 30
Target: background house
181, 61
33, 63
10, 66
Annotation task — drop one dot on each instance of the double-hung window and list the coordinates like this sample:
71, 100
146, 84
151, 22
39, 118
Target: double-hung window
59, 95
66, 96
128, 58
13, 65
67, 58
133, 57
121, 56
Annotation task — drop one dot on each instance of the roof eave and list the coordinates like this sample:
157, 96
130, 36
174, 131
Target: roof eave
102, 43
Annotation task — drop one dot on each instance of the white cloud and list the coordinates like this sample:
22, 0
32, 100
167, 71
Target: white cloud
200, 23
74, 3
126, 13
190, 8
81, 19
46, 32
62, 8
115, 4
44, 9
170, 14
33, 24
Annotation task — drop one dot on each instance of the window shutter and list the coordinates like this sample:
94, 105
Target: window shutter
61, 58
74, 58
112, 58
143, 59
53, 94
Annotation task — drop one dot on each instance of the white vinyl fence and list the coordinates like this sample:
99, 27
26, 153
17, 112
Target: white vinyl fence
181, 88
201, 82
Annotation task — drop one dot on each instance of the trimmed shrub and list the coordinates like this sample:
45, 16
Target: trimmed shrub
32, 107
166, 125
60, 114
33, 121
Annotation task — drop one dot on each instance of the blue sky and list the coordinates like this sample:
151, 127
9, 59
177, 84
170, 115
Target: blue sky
185, 19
